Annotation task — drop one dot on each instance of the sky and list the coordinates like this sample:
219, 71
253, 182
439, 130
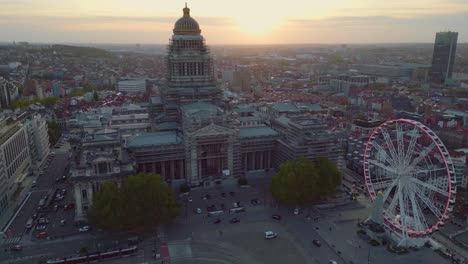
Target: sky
234, 21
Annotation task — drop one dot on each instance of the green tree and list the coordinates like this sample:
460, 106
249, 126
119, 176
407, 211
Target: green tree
107, 210
95, 96
54, 132
304, 180
143, 200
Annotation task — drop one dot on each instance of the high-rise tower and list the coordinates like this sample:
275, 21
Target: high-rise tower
443, 56
190, 72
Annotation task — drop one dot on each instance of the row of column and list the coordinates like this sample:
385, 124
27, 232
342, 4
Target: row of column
169, 170
257, 160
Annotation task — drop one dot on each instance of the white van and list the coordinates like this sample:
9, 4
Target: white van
270, 235
29, 223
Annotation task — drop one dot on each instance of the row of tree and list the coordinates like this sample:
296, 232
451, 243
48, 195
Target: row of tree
143, 200
302, 180
48, 101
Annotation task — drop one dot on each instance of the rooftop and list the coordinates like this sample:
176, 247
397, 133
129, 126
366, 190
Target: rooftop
285, 107
261, 131
154, 139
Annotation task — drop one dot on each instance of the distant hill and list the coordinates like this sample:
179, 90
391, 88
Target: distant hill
80, 51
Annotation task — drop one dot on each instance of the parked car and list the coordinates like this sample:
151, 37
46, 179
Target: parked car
316, 243
43, 221
276, 217
270, 235
332, 262
235, 205
33, 184
297, 211
235, 220
189, 199
217, 221
84, 229
42, 235
69, 206
199, 210
41, 227
16, 248
223, 194
63, 222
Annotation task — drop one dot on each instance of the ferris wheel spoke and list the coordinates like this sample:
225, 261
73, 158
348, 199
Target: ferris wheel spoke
419, 170
430, 187
382, 151
421, 157
412, 144
389, 142
400, 143
388, 190
384, 185
420, 223
428, 202
382, 166
402, 211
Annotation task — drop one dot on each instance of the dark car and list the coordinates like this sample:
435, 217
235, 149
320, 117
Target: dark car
232, 193
316, 243
223, 194
276, 217
235, 220
217, 221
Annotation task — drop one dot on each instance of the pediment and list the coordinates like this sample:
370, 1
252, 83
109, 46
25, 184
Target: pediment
212, 130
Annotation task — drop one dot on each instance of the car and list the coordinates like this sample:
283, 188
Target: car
41, 172
223, 194
42, 235
208, 197
189, 199
332, 262
34, 216
276, 217
63, 222
69, 206
270, 235
232, 193
199, 211
217, 221
41, 227
235, 205
43, 221
316, 243
234, 220
33, 184
84, 229
56, 207
16, 248
297, 211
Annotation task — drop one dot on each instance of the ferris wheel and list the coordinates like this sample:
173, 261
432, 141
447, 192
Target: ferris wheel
406, 163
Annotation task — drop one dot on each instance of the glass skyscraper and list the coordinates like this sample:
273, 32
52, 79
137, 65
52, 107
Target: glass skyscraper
443, 56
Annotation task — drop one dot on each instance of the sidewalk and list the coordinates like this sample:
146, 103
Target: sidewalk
15, 205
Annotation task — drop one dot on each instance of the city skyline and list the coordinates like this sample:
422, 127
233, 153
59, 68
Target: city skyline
242, 22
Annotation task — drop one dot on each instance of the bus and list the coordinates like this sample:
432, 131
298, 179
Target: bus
96, 256
237, 210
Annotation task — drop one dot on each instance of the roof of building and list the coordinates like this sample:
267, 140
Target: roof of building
285, 107
154, 139
168, 125
260, 131
186, 25
202, 109
156, 100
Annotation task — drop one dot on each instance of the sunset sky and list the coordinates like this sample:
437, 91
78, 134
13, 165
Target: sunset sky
233, 22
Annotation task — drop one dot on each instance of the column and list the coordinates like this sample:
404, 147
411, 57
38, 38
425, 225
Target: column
230, 157
172, 169
153, 167
182, 174
261, 160
163, 169
78, 203
90, 194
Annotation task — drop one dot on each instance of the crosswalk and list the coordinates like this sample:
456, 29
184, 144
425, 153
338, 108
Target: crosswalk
12, 240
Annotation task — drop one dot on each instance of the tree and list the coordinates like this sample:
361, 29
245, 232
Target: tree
95, 96
303, 180
54, 132
143, 200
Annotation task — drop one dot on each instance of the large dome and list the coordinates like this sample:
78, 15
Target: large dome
186, 24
